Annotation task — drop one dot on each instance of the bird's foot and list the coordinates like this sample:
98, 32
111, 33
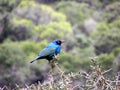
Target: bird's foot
55, 58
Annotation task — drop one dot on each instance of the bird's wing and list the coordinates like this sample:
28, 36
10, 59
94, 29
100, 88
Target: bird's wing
47, 51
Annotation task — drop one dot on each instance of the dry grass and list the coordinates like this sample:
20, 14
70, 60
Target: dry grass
95, 80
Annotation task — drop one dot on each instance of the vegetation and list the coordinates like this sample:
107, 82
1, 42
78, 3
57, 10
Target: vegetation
96, 79
90, 28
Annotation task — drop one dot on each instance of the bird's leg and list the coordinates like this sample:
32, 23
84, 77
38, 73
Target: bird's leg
55, 57
51, 62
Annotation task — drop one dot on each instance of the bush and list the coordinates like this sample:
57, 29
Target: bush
68, 62
73, 62
15, 66
46, 23
76, 14
81, 80
71, 10
12, 58
108, 15
11, 54
106, 37
106, 61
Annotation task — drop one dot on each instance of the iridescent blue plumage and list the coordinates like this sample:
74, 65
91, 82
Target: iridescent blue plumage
50, 51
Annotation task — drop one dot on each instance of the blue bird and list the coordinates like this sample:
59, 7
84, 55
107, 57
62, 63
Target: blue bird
50, 51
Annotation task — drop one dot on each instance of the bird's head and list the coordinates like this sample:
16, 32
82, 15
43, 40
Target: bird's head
58, 42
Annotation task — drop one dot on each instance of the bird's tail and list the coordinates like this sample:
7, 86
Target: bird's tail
34, 59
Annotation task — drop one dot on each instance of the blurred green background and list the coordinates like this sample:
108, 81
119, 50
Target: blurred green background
90, 28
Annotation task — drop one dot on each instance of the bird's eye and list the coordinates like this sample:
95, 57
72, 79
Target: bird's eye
58, 42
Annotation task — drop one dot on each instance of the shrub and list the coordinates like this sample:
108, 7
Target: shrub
106, 37
46, 23
10, 53
82, 80
106, 61
108, 11
12, 58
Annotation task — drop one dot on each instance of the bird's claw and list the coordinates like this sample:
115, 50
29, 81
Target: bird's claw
55, 57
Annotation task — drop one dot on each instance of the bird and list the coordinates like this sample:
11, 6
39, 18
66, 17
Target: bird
50, 51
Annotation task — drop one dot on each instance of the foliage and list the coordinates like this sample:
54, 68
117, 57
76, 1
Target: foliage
11, 58
7, 5
71, 10
76, 14
11, 54
108, 15
89, 28
15, 67
108, 37
68, 61
106, 60
78, 59
52, 22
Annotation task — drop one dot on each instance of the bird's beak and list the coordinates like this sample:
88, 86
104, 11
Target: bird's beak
62, 41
